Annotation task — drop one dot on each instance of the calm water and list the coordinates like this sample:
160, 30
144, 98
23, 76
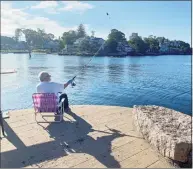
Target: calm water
160, 80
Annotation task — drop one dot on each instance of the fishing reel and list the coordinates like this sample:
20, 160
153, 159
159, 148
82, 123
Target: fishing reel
73, 83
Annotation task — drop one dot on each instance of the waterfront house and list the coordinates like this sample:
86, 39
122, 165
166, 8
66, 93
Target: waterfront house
69, 49
169, 46
133, 36
91, 40
164, 47
22, 45
52, 46
124, 47
79, 40
175, 44
99, 41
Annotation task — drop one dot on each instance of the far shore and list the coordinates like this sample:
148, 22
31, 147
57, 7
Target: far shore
92, 54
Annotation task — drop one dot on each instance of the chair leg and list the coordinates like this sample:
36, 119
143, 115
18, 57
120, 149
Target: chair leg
45, 121
36, 117
1, 122
61, 116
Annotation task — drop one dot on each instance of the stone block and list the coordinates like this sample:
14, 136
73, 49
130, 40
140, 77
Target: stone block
167, 130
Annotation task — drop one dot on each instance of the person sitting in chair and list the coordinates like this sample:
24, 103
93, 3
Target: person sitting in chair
46, 86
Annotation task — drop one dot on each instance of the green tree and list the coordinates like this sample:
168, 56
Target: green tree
84, 45
138, 45
81, 33
116, 35
111, 46
152, 44
61, 43
69, 37
94, 47
18, 33
27, 33
184, 47
160, 40
34, 39
50, 36
42, 37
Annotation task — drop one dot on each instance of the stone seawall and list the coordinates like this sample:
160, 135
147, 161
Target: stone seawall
167, 130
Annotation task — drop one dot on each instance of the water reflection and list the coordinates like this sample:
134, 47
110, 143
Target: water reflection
134, 69
116, 68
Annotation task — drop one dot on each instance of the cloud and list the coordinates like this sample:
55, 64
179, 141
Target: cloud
12, 19
70, 6
76, 6
48, 6
45, 4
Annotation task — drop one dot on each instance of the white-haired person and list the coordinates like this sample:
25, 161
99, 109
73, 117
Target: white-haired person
47, 86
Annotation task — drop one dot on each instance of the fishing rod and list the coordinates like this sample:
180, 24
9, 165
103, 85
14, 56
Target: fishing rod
72, 80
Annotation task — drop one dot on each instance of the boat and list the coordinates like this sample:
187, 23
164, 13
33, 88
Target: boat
20, 52
8, 71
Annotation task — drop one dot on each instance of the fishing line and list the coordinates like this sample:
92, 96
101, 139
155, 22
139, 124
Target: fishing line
73, 84
89, 60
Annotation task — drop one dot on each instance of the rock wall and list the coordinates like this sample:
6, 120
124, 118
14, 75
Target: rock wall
167, 130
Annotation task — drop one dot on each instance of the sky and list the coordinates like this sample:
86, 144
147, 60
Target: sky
171, 19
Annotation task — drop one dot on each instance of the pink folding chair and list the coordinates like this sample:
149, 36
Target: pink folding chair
46, 103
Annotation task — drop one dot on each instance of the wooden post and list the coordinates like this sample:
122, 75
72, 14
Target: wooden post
1, 123
29, 54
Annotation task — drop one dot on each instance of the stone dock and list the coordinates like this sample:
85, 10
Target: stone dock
89, 137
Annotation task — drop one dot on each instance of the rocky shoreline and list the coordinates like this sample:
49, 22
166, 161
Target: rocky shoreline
119, 55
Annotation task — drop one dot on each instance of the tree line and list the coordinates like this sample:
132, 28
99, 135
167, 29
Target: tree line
145, 45
36, 39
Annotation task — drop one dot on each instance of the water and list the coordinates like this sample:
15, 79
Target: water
157, 80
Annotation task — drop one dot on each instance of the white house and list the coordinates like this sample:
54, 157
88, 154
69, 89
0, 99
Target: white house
78, 41
124, 47
133, 35
176, 43
91, 40
99, 41
52, 45
164, 47
22, 45
69, 49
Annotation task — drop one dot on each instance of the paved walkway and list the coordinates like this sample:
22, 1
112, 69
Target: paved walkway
90, 137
